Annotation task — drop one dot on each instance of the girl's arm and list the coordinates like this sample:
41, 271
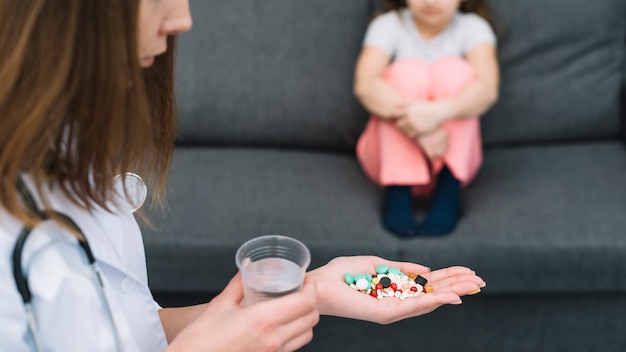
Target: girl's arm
374, 93
475, 99
482, 93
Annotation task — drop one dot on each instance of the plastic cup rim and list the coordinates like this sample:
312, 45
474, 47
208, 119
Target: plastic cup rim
298, 243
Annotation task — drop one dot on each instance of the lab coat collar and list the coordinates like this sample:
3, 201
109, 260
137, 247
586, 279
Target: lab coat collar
103, 229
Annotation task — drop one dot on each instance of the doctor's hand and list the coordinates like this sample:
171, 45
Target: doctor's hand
281, 324
338, 299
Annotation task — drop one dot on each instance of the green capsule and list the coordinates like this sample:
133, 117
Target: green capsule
348, 278
357, 277
382, 269
395, 271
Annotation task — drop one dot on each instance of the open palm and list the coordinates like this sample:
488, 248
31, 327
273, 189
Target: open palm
338, 299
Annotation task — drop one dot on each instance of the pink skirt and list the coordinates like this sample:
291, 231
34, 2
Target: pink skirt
389, 157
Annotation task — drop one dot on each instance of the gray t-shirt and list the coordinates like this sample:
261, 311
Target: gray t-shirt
396, 33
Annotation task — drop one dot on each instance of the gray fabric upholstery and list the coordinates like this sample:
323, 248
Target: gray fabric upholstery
624, 65
537, 218
265, 90
281, 74
484, 323
272, 72
560, 62
542, 218
220, 197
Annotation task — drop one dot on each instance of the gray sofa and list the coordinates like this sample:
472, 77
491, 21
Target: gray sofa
268, 130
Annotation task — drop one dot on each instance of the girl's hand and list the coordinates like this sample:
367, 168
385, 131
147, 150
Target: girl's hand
281, 324
338, 299
434, 143
423, 117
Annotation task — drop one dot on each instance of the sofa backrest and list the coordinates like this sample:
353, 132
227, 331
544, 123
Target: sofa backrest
279, 73
272, 72
561, 63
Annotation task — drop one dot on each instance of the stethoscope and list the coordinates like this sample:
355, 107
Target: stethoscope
130, 184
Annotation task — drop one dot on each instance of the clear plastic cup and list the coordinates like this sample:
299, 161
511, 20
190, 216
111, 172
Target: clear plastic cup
271, 266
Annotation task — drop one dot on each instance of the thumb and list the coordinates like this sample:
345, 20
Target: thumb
233, 292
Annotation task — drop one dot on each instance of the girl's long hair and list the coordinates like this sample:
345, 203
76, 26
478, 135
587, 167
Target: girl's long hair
478, 7
76, 107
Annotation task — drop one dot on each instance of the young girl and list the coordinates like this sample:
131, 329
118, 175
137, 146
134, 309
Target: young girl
87, 94
428, 68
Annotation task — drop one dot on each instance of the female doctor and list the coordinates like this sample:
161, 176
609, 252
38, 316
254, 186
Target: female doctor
86, 95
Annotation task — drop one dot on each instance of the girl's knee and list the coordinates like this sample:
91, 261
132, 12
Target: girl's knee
450, 75
408, 73
452, 65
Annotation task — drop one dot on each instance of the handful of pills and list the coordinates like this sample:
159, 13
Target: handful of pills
388, 282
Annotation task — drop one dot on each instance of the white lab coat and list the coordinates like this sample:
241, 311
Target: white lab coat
69, 313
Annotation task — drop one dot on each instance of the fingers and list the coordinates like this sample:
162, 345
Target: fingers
399, 110
445, 273
459, 288
459, 280
464, 288
415, 306
449, 285
292, 317
288, 308
434, 143
431, 301
435, 153
299, 332
449, 282
405, 126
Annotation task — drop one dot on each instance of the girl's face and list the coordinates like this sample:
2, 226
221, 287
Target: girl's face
433, 13
157, 20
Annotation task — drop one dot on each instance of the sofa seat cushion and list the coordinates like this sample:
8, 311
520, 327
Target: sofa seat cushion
549, 218
221, 197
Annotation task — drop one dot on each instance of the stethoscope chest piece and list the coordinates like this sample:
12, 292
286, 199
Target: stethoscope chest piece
132, 187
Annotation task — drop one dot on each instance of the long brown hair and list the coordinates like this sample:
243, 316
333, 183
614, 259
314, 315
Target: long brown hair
478, 7
76, 108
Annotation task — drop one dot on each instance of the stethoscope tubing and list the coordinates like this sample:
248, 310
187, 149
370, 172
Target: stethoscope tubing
21, 279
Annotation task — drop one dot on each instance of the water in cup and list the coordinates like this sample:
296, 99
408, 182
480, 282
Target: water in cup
271, 266
274, 277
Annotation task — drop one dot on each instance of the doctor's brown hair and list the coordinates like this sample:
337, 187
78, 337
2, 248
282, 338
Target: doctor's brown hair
76, 108
478, 7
